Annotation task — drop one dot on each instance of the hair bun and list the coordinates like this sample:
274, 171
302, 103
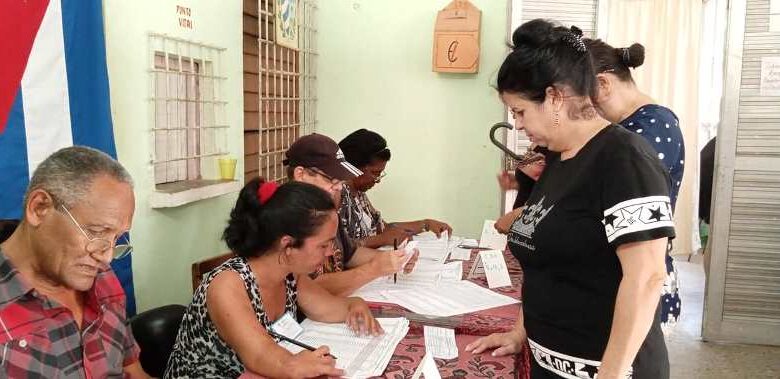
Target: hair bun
633, 56
534, 33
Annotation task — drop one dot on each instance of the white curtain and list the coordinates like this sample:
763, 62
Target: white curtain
670, 31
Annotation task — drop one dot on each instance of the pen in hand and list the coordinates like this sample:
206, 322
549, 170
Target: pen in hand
294, 342
395, 247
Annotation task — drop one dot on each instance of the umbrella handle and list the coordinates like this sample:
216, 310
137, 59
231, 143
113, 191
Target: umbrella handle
500, 145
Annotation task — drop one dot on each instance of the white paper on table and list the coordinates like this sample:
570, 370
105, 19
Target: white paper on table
440, 342
494, 264
452, 271
358, 356
435, 250
375, 289
425, 236
427, 369
491, 238
461, 253
451, 299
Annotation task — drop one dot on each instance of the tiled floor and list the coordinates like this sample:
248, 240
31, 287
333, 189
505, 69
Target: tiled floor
692, 358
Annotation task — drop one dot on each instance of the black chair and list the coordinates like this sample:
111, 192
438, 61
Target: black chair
155, 331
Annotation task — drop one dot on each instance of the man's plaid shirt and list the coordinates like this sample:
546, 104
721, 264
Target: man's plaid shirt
39, 338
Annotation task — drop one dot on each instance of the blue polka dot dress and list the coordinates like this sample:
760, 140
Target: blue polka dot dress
660, 127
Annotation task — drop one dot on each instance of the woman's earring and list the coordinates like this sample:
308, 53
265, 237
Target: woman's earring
556, 120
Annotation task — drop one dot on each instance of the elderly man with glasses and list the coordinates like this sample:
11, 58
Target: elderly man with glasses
62, 309
317, 159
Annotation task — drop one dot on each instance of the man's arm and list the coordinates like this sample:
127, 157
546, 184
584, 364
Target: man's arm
364, 266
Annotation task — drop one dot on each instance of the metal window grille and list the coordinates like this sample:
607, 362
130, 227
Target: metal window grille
189, 129
287, 87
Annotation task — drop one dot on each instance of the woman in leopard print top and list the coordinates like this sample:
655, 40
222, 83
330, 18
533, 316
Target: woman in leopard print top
279, 235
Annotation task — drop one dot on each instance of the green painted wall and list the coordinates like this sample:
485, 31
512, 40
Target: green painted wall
374, 71
166, 242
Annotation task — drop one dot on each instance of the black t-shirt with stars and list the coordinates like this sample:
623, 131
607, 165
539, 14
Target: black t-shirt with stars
614, 191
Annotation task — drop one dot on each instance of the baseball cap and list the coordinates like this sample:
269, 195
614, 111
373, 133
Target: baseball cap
321, 152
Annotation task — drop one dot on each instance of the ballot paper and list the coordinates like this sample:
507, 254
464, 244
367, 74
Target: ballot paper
451, 299
358, 356
425, 273
463, 254
434, 250
440, 342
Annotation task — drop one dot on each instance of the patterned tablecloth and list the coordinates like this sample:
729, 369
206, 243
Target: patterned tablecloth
468, 328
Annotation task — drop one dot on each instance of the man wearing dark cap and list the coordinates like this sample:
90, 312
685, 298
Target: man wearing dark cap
317, 160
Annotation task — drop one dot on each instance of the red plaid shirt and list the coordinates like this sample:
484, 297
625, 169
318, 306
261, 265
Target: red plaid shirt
40, 338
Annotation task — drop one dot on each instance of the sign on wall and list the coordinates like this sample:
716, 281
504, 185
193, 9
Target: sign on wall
456, 38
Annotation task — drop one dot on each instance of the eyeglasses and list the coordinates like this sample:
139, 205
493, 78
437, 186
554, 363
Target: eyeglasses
319, 172
378, 178
98, 245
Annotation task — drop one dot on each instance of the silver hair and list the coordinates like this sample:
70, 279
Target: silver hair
68, 173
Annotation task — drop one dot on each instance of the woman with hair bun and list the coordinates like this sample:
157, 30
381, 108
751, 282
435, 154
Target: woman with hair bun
592, 237
620, 101
279, 236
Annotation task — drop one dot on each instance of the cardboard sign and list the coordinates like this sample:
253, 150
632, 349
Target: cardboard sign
493, 265
456, 38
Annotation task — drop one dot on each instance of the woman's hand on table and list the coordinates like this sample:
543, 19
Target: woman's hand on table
503, 343
360, 320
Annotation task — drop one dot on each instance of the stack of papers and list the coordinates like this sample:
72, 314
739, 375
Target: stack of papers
358, 356
435, 249
425, 273
440, 342
451, 299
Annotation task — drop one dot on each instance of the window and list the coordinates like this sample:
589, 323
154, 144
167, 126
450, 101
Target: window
189, 131
279, 88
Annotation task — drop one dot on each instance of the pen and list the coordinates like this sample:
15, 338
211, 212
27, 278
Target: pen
294, 342
472, 247
395, 247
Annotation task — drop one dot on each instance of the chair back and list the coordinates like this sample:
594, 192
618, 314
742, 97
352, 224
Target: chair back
155, 331
200, 268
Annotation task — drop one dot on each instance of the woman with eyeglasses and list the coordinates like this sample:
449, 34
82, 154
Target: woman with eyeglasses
279, 236
368, 151
592, 237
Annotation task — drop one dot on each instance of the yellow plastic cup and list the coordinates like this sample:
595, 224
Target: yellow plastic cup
227, 168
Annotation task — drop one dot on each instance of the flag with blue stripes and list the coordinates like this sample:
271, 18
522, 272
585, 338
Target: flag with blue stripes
54, 93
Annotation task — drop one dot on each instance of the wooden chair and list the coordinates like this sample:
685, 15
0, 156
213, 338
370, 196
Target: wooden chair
200, 268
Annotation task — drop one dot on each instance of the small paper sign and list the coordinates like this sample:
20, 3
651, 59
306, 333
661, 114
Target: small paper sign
427, 369
494, 265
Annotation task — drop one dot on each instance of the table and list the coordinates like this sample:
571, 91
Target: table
468, 328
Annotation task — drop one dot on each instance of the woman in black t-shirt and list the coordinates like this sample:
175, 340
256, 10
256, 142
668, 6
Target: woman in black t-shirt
592, 237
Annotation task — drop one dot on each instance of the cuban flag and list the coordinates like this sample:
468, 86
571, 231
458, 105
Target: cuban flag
53, 93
